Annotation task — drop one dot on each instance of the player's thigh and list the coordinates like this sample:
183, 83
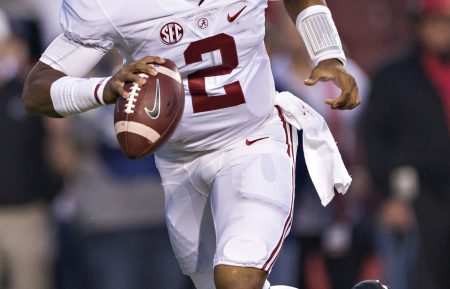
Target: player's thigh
252, 202
188, 219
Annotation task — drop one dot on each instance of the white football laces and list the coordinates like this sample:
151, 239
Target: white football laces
132, 96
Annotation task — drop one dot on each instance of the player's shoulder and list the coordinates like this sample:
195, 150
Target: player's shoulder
85, 22
83, 10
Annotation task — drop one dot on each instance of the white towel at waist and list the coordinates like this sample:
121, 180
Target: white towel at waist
322, 157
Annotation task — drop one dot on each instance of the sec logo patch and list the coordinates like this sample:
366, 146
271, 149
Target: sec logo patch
171, 33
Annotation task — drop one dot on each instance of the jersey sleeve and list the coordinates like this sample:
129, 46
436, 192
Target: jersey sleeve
84, 22
70, 57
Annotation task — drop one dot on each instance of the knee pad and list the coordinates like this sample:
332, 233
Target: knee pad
245, 249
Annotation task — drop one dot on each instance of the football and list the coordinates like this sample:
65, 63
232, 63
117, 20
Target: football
148, 117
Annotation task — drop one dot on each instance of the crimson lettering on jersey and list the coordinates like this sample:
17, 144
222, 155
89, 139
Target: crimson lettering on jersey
234, 95
171, 33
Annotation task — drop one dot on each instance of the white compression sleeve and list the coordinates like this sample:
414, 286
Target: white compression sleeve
72, 95
316, 26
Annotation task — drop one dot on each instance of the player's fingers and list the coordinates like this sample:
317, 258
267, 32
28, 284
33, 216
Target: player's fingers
342, 80
311, 81
151, 70
121, 92
318, 74
145, 65
337, 103
329, 101
347, 100
153, 59
113, 90
136, 78
149, 60
142, 67
129, 75
356, 97
313, 77
343, 102
349, 97
117, 83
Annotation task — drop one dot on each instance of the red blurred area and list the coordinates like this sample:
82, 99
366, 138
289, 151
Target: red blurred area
372, 29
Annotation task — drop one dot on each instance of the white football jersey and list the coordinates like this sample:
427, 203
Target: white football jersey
218, 47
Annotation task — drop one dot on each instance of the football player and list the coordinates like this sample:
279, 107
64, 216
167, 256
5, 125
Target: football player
228, 168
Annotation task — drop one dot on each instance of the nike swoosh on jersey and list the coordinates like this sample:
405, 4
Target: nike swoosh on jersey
250, 142
154, 113
232, 18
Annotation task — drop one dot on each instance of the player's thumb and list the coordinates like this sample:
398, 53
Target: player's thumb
313, 78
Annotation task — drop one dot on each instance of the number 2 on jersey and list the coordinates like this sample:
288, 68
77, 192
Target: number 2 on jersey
233, 96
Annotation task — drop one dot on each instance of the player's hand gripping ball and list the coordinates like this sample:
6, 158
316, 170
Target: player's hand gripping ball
148, 117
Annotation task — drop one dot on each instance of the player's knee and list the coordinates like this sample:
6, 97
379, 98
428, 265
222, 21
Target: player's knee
234, 277
245, 250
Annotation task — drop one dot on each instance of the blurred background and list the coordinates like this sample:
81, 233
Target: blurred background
75, 213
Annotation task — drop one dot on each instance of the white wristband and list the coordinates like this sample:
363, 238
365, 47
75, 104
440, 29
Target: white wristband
71, 95
316, 26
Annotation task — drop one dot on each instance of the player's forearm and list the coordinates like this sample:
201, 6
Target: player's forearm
294, 7
52, 93
36, 92
315, 24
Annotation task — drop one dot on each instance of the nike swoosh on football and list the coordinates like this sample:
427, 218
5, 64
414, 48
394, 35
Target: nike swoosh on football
232, 18
154, 113
250, 142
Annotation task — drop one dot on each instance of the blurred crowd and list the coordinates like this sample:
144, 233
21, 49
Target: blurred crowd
75, 213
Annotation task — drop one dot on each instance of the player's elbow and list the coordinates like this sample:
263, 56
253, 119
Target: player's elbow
30, 97
36, 91
37, 103
28, 101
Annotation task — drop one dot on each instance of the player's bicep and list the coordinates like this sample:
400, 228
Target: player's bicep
71, 58
294, 7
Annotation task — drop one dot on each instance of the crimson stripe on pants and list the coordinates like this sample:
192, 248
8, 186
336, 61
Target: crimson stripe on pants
287, 225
